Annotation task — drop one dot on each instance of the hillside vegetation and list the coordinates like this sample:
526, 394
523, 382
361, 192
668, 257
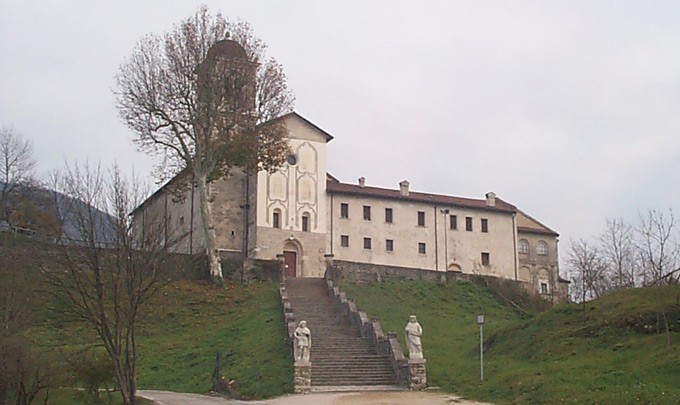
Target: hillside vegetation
611, 353
183, 327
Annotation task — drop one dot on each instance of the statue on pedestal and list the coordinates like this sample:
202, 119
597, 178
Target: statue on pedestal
303, 342
413, 333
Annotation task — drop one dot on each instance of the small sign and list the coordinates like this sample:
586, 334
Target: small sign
480, 319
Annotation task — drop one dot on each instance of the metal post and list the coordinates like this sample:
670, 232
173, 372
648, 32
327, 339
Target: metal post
480, 321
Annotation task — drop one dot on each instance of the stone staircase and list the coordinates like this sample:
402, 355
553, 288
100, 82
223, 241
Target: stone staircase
340, 357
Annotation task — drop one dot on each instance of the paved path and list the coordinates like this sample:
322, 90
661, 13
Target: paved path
327, 398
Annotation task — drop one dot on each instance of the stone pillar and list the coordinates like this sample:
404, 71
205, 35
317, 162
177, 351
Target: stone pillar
329, 266
303, 377
282, 265
417, 375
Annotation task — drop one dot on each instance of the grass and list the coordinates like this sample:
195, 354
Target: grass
448, 315
562, 355
607, 352
182, 328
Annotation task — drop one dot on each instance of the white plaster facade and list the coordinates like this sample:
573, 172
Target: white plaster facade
299, 212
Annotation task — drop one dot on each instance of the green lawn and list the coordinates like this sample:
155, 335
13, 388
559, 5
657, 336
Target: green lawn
560, 356
611, 352
185, 325
182, 328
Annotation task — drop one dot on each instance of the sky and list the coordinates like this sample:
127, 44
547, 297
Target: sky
568, 109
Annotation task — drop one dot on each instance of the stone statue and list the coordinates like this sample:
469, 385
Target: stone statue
303, 342
413, 333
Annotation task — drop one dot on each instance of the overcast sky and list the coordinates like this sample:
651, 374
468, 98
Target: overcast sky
570, 110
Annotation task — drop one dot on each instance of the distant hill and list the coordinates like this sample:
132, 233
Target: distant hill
47, 213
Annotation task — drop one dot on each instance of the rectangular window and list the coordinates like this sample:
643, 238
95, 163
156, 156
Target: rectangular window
388, 215
305, 223
367, 243
389, 245
421, 218
344, 210
367, 212
485, 259
422, 248
485, 225
276, 220
453, 222
544, 288
344, 240
468, 224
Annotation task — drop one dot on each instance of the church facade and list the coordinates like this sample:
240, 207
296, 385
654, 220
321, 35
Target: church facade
304, 215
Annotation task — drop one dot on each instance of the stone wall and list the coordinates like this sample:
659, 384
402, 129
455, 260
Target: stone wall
362, 273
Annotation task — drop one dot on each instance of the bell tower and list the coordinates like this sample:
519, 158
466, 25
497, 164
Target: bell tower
226, 82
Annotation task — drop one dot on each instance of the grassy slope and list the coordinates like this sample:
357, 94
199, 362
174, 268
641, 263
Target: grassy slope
448, 315
558, 356
182, 328
185, 325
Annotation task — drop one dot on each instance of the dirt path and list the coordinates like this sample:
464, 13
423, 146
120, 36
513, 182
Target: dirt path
329, 398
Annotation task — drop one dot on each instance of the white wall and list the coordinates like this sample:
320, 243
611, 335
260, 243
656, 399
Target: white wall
444, 247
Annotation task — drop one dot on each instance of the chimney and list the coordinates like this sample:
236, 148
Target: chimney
403, 188
362, 181
490, 199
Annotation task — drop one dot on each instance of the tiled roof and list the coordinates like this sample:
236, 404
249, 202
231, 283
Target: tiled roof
542, 231
376, 192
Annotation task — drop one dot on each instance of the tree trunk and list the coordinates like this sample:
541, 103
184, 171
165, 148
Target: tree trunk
208, 229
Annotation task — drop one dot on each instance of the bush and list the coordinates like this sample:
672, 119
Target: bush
266, 270
93, 370
24, 372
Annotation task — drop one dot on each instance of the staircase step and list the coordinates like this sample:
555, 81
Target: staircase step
340, 356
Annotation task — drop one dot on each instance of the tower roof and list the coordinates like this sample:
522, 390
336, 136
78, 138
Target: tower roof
227, 48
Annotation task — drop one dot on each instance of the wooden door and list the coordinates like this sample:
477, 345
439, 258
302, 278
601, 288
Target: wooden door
290, 260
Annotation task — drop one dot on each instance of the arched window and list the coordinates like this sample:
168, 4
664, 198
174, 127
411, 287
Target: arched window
523, 246
542, 248
525, 274
305, 222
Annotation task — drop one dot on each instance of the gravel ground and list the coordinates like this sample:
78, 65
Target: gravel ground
326, 398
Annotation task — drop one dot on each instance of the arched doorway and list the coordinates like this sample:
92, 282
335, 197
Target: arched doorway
291, 256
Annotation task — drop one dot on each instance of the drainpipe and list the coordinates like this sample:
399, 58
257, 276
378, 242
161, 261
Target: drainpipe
165, 222
436, 241
191, 216
446, 241
332, 217
246, 211
514, 241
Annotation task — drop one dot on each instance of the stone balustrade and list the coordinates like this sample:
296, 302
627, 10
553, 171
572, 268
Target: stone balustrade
410, 373
302, 379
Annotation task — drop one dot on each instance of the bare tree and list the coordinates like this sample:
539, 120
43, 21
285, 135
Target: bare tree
658, 247
589, 270
204, 103
111, 272
618, 250
660, 256
16, 167
24, 371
